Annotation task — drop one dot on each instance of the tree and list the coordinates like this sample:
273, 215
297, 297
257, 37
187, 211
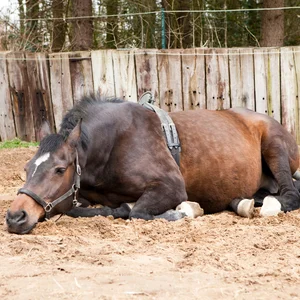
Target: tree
32, 32
111, 24
82, 33
59, 26
272, 25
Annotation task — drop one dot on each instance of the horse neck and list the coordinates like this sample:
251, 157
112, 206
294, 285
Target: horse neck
103, 131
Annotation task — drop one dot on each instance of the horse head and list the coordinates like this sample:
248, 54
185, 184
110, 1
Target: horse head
52, 180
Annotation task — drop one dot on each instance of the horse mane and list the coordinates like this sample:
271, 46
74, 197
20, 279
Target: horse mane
70, 120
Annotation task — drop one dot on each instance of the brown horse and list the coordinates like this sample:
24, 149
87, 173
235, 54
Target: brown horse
112, 152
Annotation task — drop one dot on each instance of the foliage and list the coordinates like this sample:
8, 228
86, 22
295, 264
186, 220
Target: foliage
47, 25
16, 143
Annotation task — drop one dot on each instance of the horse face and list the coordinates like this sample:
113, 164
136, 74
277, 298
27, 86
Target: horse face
49, 174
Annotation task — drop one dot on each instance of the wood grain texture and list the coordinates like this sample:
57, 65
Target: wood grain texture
289, 103
81, 74
146, 73
19, 91
170, 80
241, 78
7, 124
217, 79
296, 51
124, 75
261, 96
39, 89
61, 88
103, 72
273, 83
193, 79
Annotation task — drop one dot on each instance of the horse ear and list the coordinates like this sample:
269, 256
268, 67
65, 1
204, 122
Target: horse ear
74, 135
43, 131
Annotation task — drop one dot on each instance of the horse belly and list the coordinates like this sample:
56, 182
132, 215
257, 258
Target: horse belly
215, 187
220, 166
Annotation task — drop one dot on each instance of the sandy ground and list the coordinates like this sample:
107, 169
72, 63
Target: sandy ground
219, 256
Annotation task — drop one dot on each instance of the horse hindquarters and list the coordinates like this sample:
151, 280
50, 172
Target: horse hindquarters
280, 152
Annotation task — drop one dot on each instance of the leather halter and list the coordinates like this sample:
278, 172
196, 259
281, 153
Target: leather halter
48, 206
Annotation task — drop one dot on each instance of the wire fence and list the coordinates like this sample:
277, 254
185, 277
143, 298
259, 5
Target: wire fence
163, 28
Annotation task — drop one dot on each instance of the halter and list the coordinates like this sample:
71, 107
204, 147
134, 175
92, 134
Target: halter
72, 191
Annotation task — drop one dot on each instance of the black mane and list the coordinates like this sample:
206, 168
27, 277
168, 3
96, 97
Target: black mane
70, 120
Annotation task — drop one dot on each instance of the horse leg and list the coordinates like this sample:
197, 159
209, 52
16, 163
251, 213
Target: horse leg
119, 212
297, 184
278, 161
184, 209
243, 207
259, 197
159, 202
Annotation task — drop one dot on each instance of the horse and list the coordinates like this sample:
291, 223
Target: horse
114, 153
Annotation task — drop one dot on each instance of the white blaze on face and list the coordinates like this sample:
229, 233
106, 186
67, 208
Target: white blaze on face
40, 160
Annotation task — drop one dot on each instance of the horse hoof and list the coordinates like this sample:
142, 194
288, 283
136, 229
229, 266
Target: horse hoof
246, 208
191, 209
271, 207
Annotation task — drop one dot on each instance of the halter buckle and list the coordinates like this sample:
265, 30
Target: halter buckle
48, 207
78, 169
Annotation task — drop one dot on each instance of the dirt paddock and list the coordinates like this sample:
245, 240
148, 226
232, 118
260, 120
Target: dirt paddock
219, 256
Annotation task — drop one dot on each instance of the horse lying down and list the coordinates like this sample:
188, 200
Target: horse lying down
112, 152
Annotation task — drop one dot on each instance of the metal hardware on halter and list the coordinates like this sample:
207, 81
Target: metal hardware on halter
48, 206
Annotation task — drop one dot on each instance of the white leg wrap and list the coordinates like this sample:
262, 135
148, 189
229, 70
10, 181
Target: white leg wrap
271, 207
191, 209
246, 208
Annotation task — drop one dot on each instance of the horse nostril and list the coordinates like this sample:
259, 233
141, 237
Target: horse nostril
17, 218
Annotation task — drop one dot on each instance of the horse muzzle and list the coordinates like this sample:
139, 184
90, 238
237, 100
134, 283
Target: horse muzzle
23, 215
19, 222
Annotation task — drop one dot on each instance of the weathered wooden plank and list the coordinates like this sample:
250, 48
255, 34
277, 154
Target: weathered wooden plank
193, 79
212, 78
61, 88
103, 72
7, 125
260, 81
235, 77
247, 78
297, 65
223, 98
241, 78
146, 72
289, 103
81, 74
201, 102
217, 79
272, 59
124, 74
39, 90
170, 80
19, 83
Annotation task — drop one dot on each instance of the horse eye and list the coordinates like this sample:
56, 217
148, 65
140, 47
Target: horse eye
60, 171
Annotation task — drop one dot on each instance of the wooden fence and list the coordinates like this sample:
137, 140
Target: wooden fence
38, 86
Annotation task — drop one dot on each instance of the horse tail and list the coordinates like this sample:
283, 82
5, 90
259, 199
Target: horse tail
296, 175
